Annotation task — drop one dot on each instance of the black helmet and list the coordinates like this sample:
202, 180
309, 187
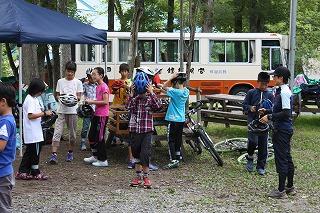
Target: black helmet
85, 111
48, 121
257, 127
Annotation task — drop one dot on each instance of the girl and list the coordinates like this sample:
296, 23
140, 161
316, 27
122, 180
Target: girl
99, 121
32, 132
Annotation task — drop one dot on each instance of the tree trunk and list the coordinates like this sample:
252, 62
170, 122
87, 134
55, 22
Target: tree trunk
29, 63
207, 25
56, 64
111, 15
238, 13
139, 7
11, 62
120, 14
41, 55
170, 25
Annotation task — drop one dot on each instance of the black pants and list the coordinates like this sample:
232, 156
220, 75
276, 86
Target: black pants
141, 147
96, 137
30, 160
260, 141
175, 139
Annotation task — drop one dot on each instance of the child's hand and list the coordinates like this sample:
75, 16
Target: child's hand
150, 88
253, 109
174, 75
48, 113
264, 119
132, 88
262, 111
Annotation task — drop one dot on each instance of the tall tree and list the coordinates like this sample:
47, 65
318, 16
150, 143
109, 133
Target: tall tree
238, 15
170, 25
207, 24
29, 63
111, 7
11, 61
133, 47
121, 15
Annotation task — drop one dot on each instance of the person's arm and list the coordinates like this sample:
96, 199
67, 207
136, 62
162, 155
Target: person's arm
168, 83
3, 144
246, 105
79, 90
155, 102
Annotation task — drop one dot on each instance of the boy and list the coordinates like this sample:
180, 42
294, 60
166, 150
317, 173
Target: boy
178, 94
142, 101
68, 115
7, 145
252, 103
282, 133
89, 92
120, 90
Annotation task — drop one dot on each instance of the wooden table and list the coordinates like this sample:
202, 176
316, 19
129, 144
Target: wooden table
226, 109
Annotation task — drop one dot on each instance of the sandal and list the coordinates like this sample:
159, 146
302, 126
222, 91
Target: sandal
40, 176
23, 176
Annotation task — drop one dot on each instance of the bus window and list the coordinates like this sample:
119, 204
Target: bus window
109, 52
237, 51
217, 51
275, 58
146, 50
87, 52
123, 50
270, 43
265, 59
195, 53
168, 50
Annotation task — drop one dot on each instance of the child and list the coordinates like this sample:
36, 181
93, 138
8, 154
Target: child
178, 94
120, 90
32, 133
66, 114
7, 145
141, 102
89, 92
282, 133
99, 121
252, 103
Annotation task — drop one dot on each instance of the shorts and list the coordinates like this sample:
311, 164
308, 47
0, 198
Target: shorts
141, 147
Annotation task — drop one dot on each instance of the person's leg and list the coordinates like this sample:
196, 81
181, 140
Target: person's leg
93, 138
251, 147
6, 185
290, 163
145, 155
136, 148
72, 127
101, 146
84, 132
171, 140
58, 130
35, 171
262, 152
25, 165
178, 141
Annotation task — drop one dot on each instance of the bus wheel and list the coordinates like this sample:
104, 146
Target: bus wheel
241, 91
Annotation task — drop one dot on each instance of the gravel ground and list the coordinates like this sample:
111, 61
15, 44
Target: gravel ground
197, 186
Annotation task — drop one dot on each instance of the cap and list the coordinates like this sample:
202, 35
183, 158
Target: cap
281, 72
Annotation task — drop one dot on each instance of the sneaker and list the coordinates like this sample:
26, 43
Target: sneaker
40, 176
90, 160
173, 164
153, 167
291, 191
261, 171
69, 157
146, 182
249, 165
83, 147
131, 164
277, 194
99, 163
53, 159
136, 182
23, 176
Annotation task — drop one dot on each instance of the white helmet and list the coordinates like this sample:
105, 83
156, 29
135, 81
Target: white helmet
146, 70
89, 71
68, 100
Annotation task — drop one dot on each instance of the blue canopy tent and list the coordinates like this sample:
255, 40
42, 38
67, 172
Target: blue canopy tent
25, 23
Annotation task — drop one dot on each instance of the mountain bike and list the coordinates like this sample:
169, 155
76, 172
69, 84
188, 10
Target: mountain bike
200, 135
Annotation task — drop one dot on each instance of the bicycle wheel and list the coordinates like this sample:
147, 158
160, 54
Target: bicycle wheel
243, 160
232, 144
209, 146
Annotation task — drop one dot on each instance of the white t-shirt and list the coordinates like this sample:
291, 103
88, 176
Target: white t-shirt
73, 87
32, 131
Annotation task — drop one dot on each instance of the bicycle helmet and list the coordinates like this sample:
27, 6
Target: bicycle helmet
141, 81
68, 100
48, 121
85, 111
146, 70
89, 71
256, 127
266, 103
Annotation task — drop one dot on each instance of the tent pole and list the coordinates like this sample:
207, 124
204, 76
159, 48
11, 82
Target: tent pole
20, 97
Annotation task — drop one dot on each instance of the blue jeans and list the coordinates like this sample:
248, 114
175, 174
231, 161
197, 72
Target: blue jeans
261, 141
85, 128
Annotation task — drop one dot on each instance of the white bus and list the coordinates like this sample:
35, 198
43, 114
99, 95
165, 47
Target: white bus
226, 63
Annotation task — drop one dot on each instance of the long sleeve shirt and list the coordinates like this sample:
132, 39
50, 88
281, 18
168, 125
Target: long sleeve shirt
141, 108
